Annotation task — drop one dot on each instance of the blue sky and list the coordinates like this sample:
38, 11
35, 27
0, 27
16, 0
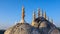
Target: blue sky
10, 11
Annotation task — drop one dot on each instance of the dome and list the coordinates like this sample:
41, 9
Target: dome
43, 24
54, 31
8, 30
39, 25
22, 27
19, 29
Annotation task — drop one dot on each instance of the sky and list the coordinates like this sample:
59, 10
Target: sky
10, 11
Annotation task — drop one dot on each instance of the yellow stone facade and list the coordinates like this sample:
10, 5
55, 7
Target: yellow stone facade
35, 24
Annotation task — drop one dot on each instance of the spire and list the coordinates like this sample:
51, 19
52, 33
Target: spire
45, 15
42, 13
38, 12
23, 14
34, 15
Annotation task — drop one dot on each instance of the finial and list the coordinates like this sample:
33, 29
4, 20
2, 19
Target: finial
45, 15
42, 13
23, 14
34, 15
38, 12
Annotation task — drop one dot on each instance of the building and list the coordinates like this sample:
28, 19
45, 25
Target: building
39, 25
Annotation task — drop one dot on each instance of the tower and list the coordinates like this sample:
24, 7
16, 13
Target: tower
34, 16
38, 12
23, 15
42, 13
45, 15
34, 23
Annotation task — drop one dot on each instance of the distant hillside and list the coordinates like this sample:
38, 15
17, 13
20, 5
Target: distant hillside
2, 31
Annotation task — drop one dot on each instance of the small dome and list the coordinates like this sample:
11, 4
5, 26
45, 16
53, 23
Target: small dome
20, 28
43, 24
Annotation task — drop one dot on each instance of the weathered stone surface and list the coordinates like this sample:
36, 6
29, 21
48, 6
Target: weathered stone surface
54, 31
8, 30
24, 28
19, 28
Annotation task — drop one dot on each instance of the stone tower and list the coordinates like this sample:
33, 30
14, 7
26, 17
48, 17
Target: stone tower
34, 16
34, 24
45, 15
38, 12
23, 15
